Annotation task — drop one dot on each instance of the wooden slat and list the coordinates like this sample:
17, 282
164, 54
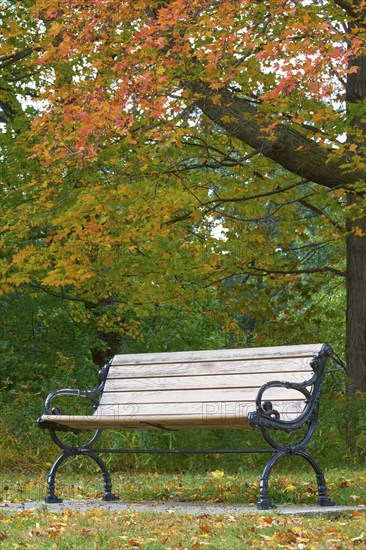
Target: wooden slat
198, 396
204, 368
199, 382
146, 423
203, 410
227, 419
308, 350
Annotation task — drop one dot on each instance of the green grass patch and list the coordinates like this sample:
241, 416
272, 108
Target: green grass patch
168, 531
80, 480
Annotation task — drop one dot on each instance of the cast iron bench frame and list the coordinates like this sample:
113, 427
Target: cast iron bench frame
265, 417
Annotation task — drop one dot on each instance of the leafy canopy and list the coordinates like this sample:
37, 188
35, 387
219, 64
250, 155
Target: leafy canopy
163, 120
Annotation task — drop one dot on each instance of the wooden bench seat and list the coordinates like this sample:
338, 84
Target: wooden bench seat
201, 390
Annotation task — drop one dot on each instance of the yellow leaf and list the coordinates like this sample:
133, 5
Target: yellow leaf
359, 231
217, 474
212, 69
230, 119
319, 115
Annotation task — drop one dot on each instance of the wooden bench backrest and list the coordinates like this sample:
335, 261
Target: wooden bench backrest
202, 389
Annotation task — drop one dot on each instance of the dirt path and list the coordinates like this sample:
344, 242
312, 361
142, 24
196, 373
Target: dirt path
179, 508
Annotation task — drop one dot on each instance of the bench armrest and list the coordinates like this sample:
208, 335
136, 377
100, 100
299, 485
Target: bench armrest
89, 394
266, 416
93, 394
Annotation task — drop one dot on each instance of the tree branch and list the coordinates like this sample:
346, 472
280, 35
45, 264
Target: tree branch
10, 59
244, 120
220, 201
346, 6
317, 210
326, 269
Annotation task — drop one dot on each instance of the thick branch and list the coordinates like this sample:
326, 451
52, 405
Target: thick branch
347, 6
325, 269
6, 112
294, 151
10, 59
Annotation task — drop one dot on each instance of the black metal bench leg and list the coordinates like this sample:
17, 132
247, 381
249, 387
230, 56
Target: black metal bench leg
264, 502
52, 498
108, 495
323, 500
51, 481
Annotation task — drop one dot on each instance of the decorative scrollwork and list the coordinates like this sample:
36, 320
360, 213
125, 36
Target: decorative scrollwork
54, 427
88, 394
268, 418
268, 409
93, 394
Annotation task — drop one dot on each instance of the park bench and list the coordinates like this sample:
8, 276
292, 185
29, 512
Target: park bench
273, 388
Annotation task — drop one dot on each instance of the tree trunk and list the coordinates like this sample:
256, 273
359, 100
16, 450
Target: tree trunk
111, 340
356, 251
356, 308
356, 327
113, 346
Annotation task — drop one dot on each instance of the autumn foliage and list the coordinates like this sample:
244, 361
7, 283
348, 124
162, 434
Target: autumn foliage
183, 147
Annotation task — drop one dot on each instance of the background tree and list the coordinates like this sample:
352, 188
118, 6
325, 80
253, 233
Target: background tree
76, 235
176, 116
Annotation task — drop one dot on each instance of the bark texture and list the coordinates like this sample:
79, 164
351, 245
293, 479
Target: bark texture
356, 244
356, 307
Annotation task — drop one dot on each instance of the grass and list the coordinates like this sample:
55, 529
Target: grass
168, 531
346, 487
43, 529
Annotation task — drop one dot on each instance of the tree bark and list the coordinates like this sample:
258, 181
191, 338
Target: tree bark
356, 307
356, 247
113, 346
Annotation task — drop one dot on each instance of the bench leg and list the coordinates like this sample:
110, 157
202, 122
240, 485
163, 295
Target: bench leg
323, 500
52, 498
108, 495
264, 502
